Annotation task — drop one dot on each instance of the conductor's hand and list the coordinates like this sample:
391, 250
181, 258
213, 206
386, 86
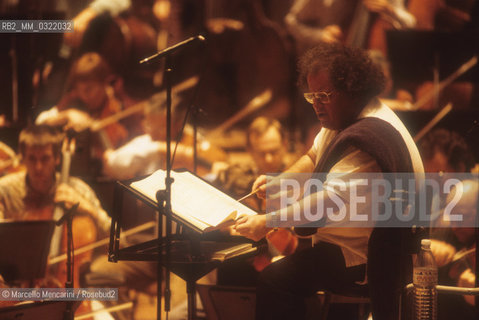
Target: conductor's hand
252, 227
260, 183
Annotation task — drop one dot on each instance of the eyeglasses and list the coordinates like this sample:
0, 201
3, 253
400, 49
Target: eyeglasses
321, 96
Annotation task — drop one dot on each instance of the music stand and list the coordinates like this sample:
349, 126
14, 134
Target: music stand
24, 249
190, 254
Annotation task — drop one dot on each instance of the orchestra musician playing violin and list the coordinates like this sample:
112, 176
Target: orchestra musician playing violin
34, 193
146, 153
359, 134
93, 94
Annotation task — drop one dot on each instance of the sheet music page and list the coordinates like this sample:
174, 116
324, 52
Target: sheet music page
194, 199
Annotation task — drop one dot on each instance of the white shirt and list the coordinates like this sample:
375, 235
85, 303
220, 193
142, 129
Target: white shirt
140, 156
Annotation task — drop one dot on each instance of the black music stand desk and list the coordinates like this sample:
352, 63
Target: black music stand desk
193, 254
24, 248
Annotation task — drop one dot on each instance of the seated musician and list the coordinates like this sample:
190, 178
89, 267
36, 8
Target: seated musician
267, 147
445, 151
33, 194
454, 253
147, 153
359, 134
92, 94
313, 21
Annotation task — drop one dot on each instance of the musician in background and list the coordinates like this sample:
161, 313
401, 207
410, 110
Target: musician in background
146, 153
314, 21
342, 84
456, 257
445, 151
33, 194
91, 95
266, 145
95, 8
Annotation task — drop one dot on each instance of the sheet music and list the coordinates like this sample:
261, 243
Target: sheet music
193, 199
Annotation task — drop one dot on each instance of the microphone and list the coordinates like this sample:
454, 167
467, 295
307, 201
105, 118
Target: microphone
172, 49
67, 214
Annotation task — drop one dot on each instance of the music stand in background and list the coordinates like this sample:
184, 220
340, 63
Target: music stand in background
24, 248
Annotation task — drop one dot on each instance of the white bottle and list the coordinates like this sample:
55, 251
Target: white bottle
425, 281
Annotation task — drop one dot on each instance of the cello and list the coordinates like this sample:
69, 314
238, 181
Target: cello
84, 232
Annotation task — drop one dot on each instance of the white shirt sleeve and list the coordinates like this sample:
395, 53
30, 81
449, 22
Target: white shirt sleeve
404, 17
139, 156
114, 7
47, 114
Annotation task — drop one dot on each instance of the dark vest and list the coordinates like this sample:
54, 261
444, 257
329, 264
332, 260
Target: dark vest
374, 136
389, 264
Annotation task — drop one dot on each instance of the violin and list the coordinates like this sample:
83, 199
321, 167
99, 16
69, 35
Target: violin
116, 133
207, 153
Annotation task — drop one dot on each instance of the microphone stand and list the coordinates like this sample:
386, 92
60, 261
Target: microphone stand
194, 119
67, 218
163, 197
476, 242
